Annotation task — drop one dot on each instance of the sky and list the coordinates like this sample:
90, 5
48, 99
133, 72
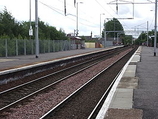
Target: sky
91, 13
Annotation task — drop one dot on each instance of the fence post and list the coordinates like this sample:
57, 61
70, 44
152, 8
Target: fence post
44, 50
48, 46
70, 45
16, 47
24, 46
53, 46
32, 46
61, 45
6, 48
65, 45
64, 48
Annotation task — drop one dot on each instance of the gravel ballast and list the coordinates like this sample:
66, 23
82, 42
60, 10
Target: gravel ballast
42, 103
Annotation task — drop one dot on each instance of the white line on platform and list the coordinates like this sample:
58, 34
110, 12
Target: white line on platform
107, 102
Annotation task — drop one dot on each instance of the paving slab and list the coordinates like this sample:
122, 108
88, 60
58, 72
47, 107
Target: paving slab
136, 58
123, 99
128, 82
130, 71
124, 114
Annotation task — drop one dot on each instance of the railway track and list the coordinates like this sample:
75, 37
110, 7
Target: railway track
45, 84
25, 74
9, 97
86, 102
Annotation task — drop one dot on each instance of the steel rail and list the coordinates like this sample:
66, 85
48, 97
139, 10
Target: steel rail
58, 106
95, 58
95, 110
44, 88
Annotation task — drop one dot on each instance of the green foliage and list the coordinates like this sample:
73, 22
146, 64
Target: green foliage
7, 23
113, 25
92, 41
127, 39
141, 39
14, 29
15, 39
83, 37
4, 36
2, 47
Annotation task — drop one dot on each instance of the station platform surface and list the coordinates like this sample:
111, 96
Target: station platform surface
7, 63
146, 95
136, 94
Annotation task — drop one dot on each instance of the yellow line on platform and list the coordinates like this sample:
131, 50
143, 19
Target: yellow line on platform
6, 60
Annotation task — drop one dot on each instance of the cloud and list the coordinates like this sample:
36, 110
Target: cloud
88, 12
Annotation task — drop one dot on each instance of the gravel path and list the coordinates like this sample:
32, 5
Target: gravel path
41, 103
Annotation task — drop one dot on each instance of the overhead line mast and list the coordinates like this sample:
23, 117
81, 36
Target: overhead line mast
65, 7
116, 2
148, 2
117, 6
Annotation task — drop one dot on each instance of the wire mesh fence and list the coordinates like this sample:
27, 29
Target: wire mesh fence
16, 47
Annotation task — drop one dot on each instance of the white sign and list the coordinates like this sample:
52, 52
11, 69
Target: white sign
30, 31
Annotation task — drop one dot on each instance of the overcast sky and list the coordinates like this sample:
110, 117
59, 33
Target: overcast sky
52, 13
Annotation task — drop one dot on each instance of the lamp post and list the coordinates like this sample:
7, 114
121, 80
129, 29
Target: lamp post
100, 23
31, 30
77, 18
155, 38
36, 28
147, 34
105, 33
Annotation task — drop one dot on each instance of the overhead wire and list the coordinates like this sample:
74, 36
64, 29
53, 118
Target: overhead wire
54, 9
124, 24
109, 12
133, 17
151, 23
103, 8
61, 13
82, 12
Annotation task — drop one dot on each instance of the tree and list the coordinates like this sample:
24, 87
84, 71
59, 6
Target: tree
1, 24
7, 23
143, 38
114, 27
62, 35
127, 39
12, 28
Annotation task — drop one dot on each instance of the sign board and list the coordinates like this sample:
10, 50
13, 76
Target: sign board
30, 31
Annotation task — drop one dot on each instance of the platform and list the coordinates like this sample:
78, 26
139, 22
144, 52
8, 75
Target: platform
146, 95
119, 104
134, 94
123, 97
7, 63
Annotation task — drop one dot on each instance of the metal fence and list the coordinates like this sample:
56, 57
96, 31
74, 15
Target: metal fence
17, 47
